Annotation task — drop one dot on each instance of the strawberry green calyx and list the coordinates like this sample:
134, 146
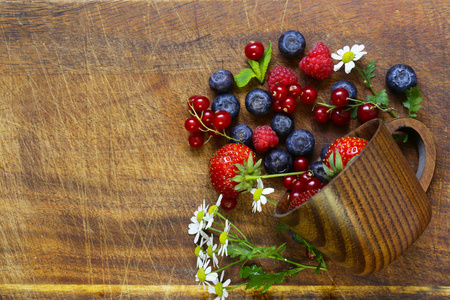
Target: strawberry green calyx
336, 165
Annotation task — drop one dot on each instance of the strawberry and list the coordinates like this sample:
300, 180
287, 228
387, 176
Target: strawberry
222, 167
340, 153
302, 198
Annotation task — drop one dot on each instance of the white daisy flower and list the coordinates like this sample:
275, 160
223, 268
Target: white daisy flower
204, 275
258, 195
198, 223
213, 209
223, 238
200, 254
219, 288
348, 56
211, 252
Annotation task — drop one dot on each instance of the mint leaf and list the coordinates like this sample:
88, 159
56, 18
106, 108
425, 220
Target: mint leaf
380, 99
369, 72
244, 77
264, 61
413, 100
256, 68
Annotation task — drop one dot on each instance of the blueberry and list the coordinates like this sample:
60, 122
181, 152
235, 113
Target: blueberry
324, 151
400, 77
291, 44
258, 102
278, 161
300, 142
242, 133
227, 102
221, 81
317, 168
282, 124
349, 86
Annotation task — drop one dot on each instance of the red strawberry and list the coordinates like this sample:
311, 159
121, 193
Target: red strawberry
302, 198
222, 167
340, 153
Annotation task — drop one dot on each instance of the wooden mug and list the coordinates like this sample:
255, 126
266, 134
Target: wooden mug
376, 208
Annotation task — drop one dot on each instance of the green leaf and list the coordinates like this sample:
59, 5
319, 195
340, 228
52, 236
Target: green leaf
380, 98
256, 68
404, 137
238, 249
264, 61
413, 100
243, 78
282, 227
259, 278
369, 71
354, 112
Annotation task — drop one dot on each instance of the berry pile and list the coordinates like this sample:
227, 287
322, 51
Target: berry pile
284, 148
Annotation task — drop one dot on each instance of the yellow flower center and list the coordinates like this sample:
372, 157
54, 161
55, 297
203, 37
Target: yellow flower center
200, 216
348, 57
212, 209
197, 251
223, 237
201, 274
257, 194
219, 289
209, 251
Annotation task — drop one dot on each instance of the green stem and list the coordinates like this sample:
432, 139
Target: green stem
253, 177
236, 286
366, 80
227, 266
234, 226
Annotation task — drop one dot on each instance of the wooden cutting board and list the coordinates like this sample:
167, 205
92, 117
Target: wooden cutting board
98, 183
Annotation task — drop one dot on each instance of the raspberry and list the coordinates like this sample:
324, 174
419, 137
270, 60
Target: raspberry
264, 139
318, 62
281, 74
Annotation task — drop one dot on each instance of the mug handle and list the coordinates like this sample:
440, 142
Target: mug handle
425, 145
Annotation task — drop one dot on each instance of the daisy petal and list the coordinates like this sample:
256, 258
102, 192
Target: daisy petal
349, 66
357, 48
359, 55
341, 52
338, 66
336, 56
268, 191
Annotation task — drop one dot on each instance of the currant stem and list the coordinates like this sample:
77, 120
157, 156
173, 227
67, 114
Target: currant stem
253, 177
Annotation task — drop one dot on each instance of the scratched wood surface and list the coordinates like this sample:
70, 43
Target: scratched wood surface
97, 181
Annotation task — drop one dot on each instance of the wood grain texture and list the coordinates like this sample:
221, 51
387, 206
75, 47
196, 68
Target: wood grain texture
98, 182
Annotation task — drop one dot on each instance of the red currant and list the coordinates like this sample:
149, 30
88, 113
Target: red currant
254, 50
221, 120
313, 184
299, 186
289, 105
367, 112
294, 194
277, 106
305, 176
310, 255
192, 124
191, 99
309, 95
321, 114
280, 92
207, 117
196, 139
228, 203
340, 116
214, 134
300, 164
339, 97
295, 90
288, 181
200, 103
